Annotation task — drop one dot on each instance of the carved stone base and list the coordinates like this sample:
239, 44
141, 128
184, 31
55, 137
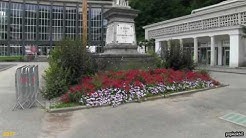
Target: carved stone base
120, 49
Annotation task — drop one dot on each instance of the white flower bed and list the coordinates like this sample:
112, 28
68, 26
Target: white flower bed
116, 96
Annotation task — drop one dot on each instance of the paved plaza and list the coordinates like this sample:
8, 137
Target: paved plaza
25, 123
188, 116
6, 66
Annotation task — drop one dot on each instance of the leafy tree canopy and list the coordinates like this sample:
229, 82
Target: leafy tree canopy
152, 11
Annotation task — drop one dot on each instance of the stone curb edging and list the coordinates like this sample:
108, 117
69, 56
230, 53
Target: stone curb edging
224, 71
67, 109
241, 73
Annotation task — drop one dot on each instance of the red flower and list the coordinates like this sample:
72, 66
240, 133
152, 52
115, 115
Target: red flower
124, 79
65, 98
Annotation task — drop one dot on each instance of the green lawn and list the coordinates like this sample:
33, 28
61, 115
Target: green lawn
64, 105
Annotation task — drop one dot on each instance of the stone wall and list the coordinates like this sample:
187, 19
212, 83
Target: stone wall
124, 62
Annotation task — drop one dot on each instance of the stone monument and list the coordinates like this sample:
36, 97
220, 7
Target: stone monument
120, 50
120, 35
121, 3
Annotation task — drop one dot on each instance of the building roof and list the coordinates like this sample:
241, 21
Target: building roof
225, 5
67, 1
221, 4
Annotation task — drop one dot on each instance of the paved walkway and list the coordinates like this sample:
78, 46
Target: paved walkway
6, 66
190, 116
26, 123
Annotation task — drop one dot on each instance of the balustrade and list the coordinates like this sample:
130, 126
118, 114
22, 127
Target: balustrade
205, 24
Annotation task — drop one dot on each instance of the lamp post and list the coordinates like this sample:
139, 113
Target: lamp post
84, 17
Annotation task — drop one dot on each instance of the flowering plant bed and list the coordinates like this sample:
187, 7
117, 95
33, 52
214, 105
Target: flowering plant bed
115, 88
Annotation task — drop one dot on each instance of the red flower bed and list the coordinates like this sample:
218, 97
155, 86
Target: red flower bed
125, 79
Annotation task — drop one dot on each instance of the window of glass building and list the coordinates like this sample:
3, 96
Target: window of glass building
80, 22
70, 27
30, 23
44, 22
3, 50
96, 24
16, 14
3, 20
57, 23
15, 50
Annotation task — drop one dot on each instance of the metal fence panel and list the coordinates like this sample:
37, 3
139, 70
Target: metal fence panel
27, 86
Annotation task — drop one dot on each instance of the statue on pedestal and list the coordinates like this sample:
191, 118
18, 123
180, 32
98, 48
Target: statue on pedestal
121, 3
121, 49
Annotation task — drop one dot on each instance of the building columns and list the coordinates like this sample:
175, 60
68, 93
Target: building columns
235, 50
157, 47
220, 53
212, 62
169, 44
195, 50
181, 43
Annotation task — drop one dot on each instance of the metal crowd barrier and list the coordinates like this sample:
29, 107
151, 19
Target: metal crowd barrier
27, 86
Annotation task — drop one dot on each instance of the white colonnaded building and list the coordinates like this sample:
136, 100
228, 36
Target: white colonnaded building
214, 33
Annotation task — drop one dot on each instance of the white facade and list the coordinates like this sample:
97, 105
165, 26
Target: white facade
214, 32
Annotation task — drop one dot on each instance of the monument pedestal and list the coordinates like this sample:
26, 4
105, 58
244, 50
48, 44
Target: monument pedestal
124, 61
120, 35
120, 51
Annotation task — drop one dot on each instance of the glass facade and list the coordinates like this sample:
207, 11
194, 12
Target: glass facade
80, 21
16, 13
70, 22
3, 20
30, 21
96, 24
42, 24
57, 23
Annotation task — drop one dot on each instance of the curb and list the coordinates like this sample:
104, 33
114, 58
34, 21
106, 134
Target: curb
223, 71
68, 109
195, 91
241, 73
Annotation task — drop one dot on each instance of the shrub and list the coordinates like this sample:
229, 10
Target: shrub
71, 55
69, 62
159, 63
177, 58
148, 44
203, 71
56, 83
11, 58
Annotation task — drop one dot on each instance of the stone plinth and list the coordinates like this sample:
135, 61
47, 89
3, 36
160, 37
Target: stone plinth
120, 52
120, 36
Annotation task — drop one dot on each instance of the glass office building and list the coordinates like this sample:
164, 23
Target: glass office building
28, 23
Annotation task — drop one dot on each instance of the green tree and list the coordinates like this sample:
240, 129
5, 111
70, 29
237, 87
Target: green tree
68, 63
